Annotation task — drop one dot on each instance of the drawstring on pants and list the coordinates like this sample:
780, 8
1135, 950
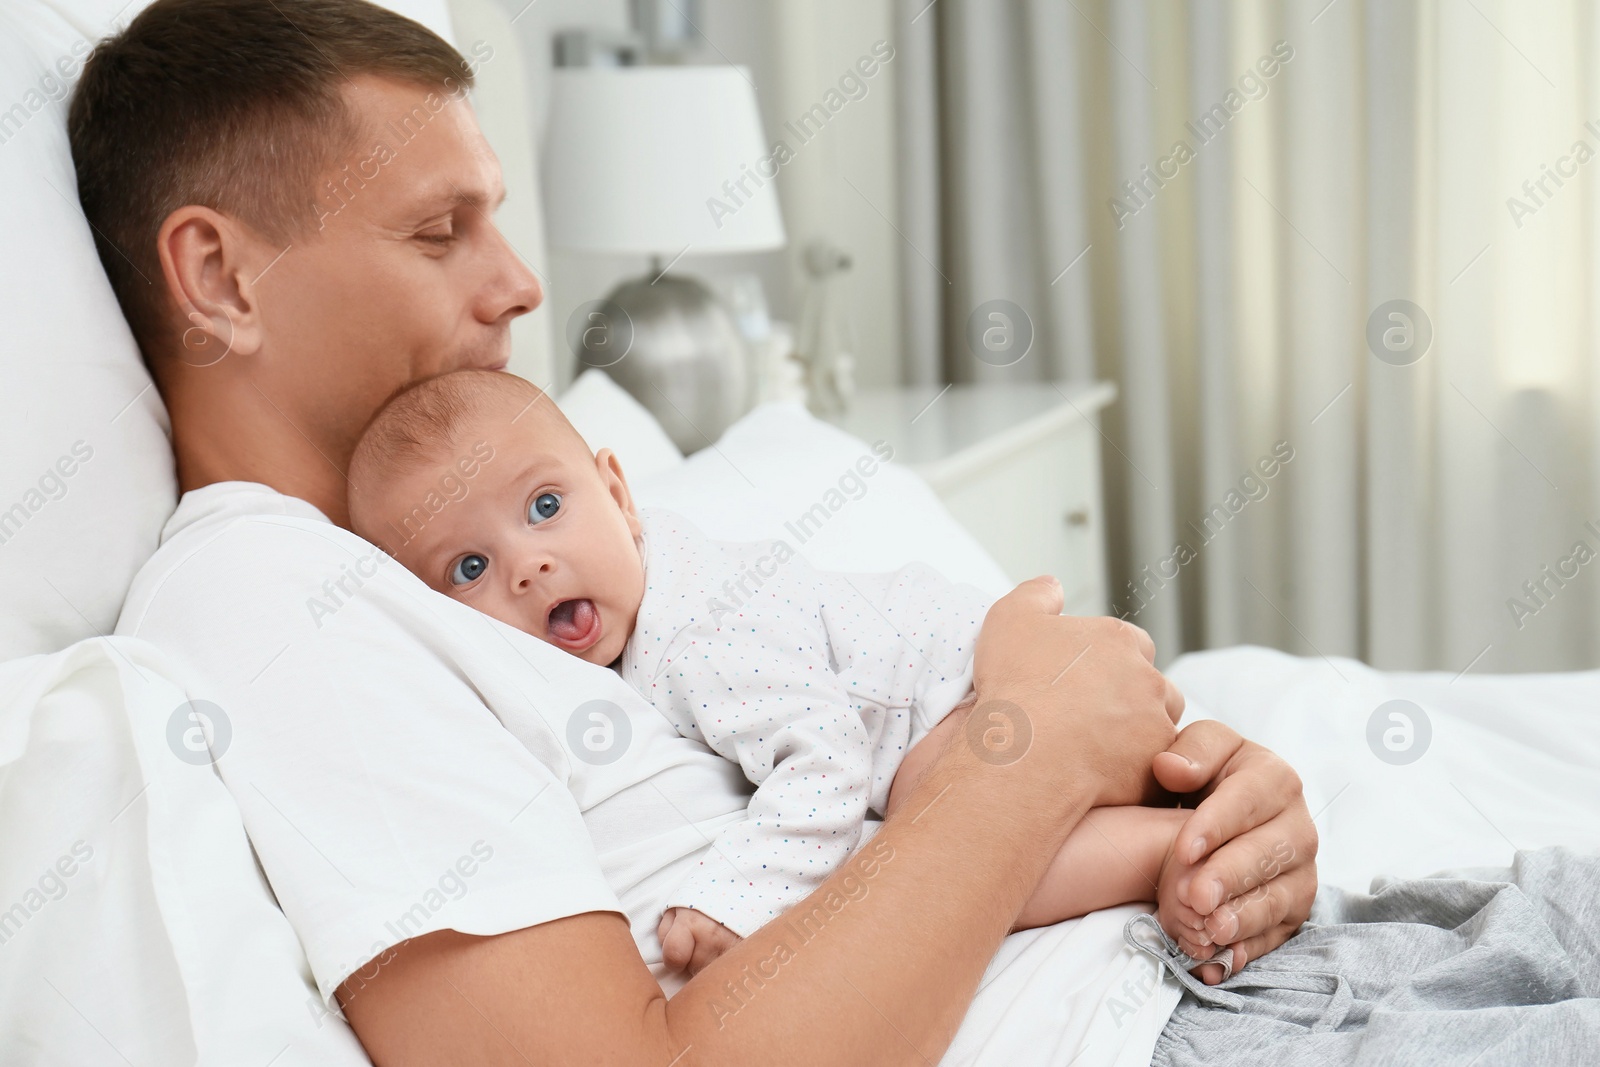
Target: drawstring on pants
1167, 953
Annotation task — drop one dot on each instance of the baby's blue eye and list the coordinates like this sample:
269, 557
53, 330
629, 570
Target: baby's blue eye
468, 569
543, 507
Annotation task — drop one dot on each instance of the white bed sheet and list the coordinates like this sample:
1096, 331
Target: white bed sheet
1513, 762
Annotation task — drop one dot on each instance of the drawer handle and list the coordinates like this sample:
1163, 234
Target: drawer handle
1078, 517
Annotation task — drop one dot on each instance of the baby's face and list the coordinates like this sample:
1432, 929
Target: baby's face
544, 539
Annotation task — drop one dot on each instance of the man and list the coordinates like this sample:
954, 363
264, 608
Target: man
293, 204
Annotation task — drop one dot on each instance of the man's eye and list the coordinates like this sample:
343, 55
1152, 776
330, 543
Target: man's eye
437, 238
543, 507
468, 569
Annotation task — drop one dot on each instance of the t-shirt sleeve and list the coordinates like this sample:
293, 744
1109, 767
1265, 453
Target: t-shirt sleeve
352, 724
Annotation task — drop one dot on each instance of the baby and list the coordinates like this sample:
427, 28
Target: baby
823, 687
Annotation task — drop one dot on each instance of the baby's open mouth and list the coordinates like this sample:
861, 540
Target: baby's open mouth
574, 624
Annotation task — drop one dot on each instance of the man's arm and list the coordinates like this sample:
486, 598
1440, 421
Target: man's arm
575, 990
1113, 856
1245, 860
961, 857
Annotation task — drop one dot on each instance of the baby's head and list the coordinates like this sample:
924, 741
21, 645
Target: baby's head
482, 488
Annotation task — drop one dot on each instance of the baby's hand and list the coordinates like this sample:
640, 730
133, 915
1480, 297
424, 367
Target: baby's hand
691, 939
1182, 923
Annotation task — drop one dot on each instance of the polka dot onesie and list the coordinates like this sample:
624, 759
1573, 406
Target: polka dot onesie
815, 683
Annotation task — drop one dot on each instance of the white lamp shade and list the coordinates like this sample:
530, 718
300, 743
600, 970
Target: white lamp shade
656, 159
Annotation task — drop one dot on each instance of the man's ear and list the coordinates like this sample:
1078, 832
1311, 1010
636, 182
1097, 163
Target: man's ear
209, 262
605, 462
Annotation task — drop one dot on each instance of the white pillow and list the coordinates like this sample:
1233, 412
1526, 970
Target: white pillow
86, 470
136, 925
86, 476
609, 417
780, 472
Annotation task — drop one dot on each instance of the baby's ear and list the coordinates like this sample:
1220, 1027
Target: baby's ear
616, 484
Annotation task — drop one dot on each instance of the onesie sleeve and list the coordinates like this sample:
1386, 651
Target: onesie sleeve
760, 691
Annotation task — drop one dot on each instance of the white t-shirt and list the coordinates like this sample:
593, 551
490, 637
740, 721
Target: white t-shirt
402, 761
405, 764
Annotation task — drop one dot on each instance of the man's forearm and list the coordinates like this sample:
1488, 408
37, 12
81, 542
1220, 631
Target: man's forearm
887, 976
957, 859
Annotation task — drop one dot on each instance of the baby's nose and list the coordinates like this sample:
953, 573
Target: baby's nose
532, 571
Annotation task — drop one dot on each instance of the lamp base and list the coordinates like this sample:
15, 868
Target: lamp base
683, 356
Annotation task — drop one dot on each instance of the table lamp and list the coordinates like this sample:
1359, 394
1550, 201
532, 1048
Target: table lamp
663, 161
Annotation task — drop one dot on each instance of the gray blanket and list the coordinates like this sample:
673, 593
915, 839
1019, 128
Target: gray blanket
1472, 967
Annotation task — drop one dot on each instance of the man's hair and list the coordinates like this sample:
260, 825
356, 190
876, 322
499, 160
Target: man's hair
233, 105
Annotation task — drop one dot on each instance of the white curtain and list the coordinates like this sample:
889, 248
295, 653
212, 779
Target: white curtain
1425, 508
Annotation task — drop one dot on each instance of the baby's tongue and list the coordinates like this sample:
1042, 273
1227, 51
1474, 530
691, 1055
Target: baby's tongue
571, 620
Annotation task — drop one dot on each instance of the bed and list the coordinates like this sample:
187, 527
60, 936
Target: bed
135, 924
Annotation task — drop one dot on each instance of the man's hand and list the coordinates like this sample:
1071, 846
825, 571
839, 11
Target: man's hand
1243, 872
690, 939
1084, 690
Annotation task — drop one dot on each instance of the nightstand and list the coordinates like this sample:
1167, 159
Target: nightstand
1017, 464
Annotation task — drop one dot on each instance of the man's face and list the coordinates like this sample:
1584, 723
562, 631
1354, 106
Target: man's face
401, 274
541, 536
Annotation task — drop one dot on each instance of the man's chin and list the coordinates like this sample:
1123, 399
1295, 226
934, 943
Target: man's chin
499, 362
489, 357
493, 356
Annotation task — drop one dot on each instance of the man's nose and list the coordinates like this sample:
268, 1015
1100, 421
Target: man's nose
518, 290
